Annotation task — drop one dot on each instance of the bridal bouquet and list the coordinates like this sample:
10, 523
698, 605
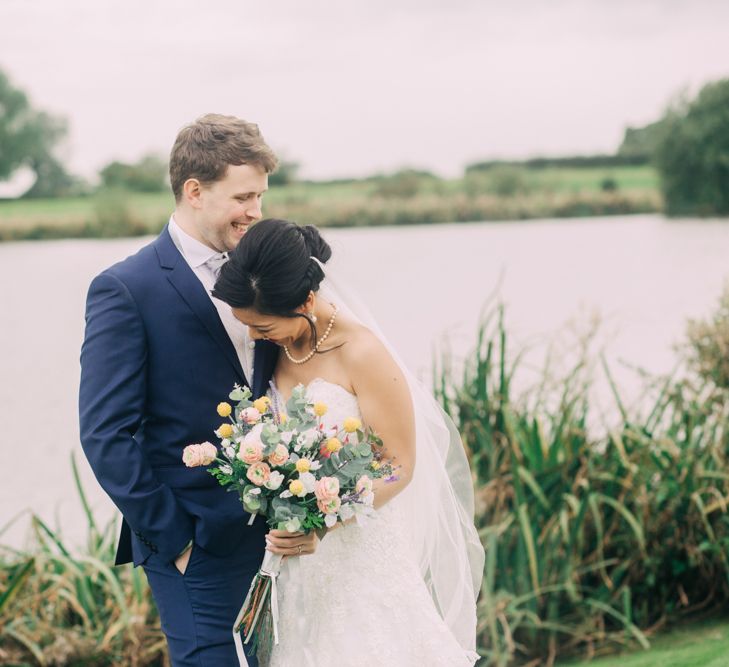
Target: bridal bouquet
295, 472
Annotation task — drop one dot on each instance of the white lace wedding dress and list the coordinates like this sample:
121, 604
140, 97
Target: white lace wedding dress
360, 600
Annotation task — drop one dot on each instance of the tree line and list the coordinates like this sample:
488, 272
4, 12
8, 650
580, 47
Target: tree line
688, 146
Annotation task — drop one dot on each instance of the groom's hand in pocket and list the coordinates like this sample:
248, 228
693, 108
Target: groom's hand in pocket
183, 559
291, 544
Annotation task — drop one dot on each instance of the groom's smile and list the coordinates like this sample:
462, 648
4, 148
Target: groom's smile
240, 227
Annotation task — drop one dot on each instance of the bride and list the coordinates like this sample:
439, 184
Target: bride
399, 589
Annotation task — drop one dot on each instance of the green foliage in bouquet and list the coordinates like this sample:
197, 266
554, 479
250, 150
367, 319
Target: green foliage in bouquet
278, 461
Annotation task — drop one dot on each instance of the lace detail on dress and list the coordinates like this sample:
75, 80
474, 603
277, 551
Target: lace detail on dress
360, 599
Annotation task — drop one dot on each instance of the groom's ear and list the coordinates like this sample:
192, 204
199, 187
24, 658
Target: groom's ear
191, 192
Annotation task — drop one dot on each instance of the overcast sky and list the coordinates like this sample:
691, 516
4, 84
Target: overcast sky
350, 87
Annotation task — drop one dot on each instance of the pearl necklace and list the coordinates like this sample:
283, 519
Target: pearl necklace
318, 342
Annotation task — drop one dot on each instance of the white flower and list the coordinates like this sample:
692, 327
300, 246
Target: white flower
293, 525
225, 468
315, 465
286, 437
363, 513
274, 481
308, 480
230, 452
254, 492
308, 438
225, 442
330, 520
285, 494
368, 499
346, 511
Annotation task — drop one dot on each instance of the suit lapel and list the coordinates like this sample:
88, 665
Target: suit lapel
193, 293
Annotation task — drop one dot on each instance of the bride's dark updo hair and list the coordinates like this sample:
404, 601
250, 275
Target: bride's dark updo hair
272, 269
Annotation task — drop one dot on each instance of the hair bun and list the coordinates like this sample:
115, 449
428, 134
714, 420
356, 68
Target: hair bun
316, 244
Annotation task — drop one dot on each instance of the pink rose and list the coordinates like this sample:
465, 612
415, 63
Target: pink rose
203, 454
330, 506
254, 435
279, 456
251, 453
250, 415
259, 473
327, 488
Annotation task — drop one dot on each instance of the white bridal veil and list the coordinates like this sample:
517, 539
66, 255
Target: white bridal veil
438, 502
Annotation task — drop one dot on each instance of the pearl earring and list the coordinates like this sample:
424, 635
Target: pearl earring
313, 317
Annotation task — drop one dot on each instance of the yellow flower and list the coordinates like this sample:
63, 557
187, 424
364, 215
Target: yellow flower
375, 465
283, 418
224, 409
333, 445
351, 424
261, 404
225, 431
320, 409
296, 487
303, 465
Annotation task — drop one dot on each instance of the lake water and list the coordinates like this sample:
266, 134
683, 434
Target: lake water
642, 275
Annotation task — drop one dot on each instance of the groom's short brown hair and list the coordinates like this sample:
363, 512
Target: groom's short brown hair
204, 149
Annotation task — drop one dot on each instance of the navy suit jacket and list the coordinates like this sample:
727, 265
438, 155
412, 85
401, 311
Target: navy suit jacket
155, 362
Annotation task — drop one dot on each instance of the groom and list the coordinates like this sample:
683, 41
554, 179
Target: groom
159, 354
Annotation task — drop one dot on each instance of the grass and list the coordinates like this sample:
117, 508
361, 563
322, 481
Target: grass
691, 645
403, 199
58, 607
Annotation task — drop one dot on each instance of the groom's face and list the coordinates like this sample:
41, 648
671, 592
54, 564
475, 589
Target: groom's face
229, 206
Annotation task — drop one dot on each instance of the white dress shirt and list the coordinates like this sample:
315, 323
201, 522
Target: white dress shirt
196, 254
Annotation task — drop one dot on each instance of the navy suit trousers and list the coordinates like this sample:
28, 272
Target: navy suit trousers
197, 609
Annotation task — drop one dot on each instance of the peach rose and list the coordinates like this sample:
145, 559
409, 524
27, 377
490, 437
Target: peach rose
327, 488
279, 456
250, 453
259, 473
329, 506
199, 455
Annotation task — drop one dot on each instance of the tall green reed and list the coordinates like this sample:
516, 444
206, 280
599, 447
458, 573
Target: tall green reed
591, 540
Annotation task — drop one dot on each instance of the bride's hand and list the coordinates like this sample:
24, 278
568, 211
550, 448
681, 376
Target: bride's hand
291, 544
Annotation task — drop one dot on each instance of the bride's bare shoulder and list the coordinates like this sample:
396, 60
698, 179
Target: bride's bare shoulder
364, 348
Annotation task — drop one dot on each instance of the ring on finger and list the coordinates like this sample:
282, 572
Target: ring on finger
300, 548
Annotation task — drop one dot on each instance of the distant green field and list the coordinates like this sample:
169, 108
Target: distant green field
515, 194
691, 645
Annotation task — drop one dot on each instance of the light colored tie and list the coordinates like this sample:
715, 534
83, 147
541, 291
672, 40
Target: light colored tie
236, 331
215, 263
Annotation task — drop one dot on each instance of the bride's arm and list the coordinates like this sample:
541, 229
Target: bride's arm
386, 405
